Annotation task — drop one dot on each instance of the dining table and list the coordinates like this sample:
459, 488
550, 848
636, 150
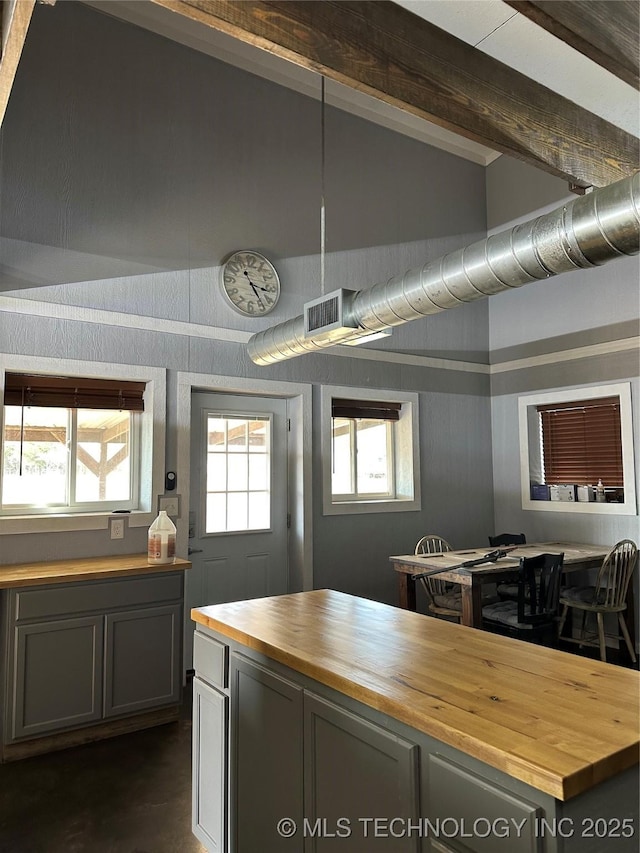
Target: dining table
449, 567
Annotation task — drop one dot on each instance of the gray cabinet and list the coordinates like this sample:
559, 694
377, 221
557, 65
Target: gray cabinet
333, 773
77, 654
143, 669
209, 766
356, 771
292, 754
266, 727
210, 762
460, 799
58, 675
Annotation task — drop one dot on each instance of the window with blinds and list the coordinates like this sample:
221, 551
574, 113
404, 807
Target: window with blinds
581, 441
70, 444
363, 449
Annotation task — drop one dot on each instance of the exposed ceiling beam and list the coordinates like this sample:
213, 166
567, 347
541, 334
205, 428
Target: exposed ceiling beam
15, 19
383, 50
606, 31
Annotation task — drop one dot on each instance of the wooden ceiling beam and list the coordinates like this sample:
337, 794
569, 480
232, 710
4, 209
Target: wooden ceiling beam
15, 19
382, 49
606, 31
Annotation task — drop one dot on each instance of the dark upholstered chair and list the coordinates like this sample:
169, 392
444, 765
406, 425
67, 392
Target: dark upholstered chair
534, 615
507, 590
443, 599
607, 596
501, 539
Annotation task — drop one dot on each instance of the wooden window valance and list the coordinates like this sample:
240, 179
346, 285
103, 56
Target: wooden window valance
68, 392
365, 409
582, 442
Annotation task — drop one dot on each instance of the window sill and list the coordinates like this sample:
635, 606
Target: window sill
361, 507
66, 522
591, 508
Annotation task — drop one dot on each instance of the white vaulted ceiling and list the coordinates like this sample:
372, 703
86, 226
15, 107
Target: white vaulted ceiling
499, 31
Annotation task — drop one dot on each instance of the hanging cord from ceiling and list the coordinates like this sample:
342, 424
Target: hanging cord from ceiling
323, 221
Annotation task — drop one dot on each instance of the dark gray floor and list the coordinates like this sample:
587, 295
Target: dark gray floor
129, 794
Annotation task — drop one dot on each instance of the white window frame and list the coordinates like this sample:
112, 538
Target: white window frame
152, 443
530, 448
406, 461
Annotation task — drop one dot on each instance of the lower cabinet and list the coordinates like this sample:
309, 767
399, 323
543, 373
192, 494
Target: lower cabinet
58, 675
143, 667
300, 760
461, 800
355, 772
284, 764
77, 654
266, 726
210, 766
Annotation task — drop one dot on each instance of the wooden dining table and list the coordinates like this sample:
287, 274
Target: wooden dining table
472, 578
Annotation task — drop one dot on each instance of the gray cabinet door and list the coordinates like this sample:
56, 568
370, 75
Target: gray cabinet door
143, 659
500, 821
210, 766
57, 681
266, 780
355, 772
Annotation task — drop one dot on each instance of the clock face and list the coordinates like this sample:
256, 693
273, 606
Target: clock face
250, 283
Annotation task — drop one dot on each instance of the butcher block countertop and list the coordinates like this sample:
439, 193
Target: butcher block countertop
556, 721
89, 568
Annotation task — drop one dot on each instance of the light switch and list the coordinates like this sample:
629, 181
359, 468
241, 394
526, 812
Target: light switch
170, 505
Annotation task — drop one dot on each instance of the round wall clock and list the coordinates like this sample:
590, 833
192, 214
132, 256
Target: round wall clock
250, 283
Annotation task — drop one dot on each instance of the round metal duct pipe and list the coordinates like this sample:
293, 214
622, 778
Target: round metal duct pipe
591, 230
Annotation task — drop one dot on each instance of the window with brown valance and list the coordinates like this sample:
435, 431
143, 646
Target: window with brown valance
582, 441
374, 410
73, 392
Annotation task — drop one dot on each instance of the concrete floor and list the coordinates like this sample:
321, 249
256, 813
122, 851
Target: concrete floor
128, 794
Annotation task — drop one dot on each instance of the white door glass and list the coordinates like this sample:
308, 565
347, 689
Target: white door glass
238, 472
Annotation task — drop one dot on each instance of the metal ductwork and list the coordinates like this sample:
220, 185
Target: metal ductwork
591, 230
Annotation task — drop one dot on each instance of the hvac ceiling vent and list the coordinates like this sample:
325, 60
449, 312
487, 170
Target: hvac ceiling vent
329, 316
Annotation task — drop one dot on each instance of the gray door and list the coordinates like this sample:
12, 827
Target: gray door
238, 536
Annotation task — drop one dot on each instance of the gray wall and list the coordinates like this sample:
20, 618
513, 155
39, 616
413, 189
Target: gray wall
131, 166
601, 307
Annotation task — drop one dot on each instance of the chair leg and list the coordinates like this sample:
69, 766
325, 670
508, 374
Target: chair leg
563, 619
627, 638
603, 648
583, 626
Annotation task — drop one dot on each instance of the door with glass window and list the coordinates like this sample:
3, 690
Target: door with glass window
238, 503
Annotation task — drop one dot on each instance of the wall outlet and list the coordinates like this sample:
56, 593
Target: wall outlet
117, 528
171, 505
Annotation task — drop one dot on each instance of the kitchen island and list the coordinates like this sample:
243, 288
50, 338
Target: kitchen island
89, 648
323, 721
